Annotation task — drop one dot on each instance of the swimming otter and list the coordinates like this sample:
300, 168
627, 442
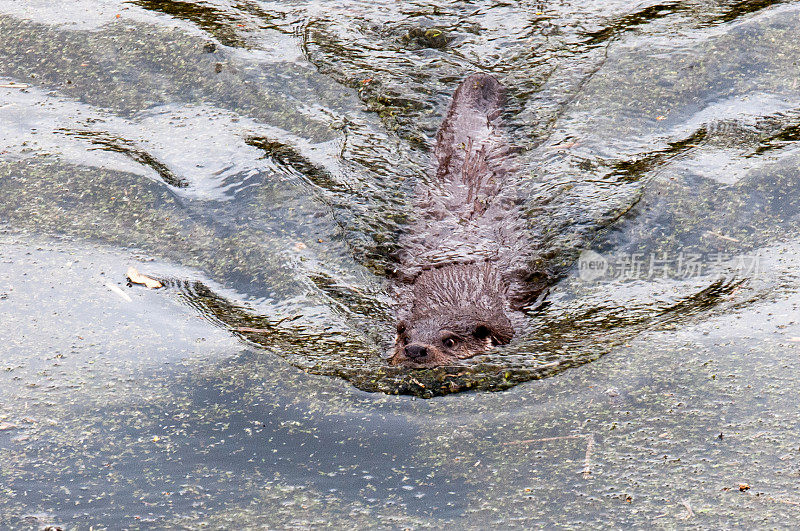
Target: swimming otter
463, 275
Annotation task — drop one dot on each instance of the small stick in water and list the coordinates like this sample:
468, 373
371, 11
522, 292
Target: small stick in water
587, 460
689, 511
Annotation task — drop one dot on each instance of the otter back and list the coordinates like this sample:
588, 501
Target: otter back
462, 214
462, 271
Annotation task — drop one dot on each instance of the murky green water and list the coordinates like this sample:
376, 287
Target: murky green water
261, 158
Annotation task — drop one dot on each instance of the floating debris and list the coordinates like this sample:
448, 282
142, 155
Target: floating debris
138, 278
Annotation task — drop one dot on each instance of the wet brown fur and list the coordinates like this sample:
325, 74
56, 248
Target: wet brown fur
462, 276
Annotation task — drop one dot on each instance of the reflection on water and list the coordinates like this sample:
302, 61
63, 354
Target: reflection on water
118, 145
267, 153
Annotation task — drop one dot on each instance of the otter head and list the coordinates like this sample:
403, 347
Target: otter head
434, 341
452, 313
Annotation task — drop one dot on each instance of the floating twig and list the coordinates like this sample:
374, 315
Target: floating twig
720, 236
587, 459
689, 511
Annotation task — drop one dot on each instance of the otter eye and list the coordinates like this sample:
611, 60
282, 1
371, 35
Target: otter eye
449, 342
401, 327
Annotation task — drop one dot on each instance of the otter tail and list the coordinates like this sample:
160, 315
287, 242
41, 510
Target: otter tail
470, 148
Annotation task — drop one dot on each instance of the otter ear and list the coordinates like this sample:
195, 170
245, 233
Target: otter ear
500, 333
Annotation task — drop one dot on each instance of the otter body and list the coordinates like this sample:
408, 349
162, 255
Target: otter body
463, 276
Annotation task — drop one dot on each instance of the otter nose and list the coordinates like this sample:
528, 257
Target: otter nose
416, 351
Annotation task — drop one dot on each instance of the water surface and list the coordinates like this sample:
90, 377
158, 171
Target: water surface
261, 158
